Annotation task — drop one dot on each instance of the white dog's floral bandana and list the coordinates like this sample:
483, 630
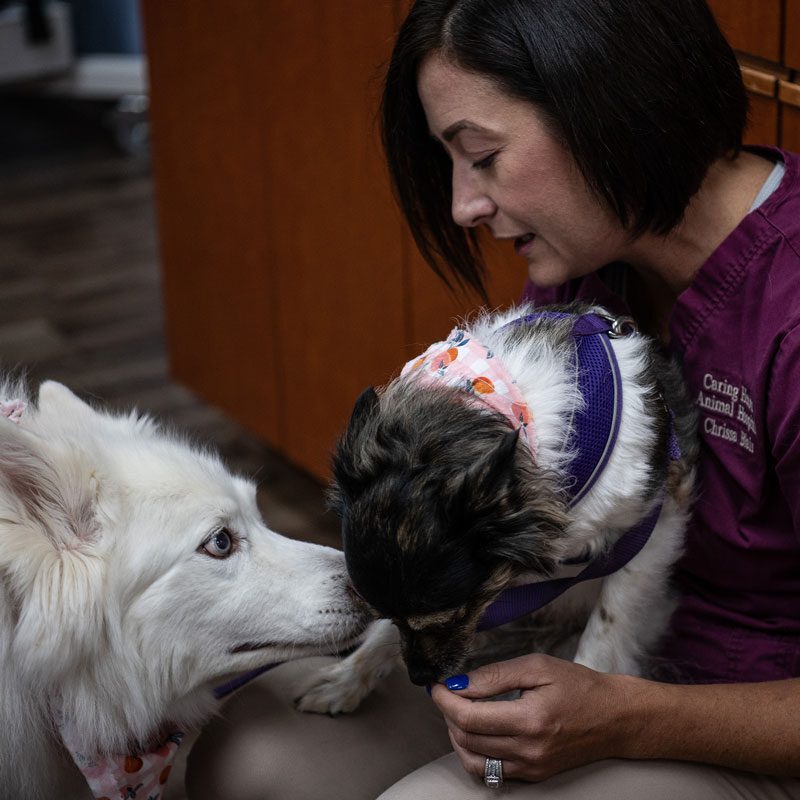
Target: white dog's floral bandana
466, 364
115, 777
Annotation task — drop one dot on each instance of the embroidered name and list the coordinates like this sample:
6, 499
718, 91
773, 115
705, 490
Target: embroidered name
732, 401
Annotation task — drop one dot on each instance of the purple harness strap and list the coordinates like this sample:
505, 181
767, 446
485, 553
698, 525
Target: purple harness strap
240, 680
518, 601
596, 425
595, 430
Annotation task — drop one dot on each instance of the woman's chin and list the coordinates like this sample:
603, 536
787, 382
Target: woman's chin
546, 277
549, 273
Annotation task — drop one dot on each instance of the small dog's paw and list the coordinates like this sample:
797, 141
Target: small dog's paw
335, 689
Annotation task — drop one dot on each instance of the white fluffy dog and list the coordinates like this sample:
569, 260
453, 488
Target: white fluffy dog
135, 573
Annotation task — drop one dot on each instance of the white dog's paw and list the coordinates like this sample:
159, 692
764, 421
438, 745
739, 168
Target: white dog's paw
339, 688
605, 660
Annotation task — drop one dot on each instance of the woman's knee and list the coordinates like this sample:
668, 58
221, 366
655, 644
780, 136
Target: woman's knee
614, 779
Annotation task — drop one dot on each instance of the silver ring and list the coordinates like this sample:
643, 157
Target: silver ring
493, 773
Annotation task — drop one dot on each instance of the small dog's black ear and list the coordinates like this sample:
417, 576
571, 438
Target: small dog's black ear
365, 407
497, 462
349, 456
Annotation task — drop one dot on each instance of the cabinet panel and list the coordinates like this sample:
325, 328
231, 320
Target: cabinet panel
791, 35
790, 129
281, 245
789, 94
290, 280
334, 228
752, 26
209, 151
762, 125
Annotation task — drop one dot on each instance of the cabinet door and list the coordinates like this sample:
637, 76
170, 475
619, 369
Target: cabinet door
752, 26
333, 226
282, 249
789, 94
791, 35
762, 90
210, 159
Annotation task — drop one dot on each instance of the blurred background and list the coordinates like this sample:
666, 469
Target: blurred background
195, 218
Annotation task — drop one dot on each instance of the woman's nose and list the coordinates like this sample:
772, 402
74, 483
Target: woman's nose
471, 205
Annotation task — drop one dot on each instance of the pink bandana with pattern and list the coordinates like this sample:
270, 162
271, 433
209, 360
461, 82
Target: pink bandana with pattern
465, 363
116, 777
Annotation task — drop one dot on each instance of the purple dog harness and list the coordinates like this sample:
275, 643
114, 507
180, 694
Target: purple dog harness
595, 430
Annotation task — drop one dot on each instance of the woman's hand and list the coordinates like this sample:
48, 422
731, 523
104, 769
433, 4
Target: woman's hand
569, 715
566, 716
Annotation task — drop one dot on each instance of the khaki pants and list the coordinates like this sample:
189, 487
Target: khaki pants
396, 747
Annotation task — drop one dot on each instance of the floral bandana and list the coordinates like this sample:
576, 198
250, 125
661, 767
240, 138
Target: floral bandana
116, 777
465, 363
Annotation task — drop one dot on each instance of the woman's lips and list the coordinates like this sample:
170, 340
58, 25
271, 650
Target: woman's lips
522, 243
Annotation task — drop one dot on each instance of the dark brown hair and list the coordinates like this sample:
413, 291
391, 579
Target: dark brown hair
646, 95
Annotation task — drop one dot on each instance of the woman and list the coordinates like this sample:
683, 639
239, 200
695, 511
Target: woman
604, 138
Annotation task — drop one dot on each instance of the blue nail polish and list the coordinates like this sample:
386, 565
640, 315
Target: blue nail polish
457, 682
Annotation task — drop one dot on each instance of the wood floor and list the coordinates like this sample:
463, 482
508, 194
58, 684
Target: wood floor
80, 292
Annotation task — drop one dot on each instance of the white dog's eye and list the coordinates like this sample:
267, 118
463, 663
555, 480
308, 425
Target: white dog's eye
220, 545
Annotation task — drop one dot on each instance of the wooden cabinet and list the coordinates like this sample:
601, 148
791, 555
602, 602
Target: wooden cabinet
791, 37
766, 36
290, 281
790, 122
751, 26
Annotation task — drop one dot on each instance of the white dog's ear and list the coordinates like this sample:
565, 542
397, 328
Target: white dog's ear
55, 398
58, 408
49, 483
47, 550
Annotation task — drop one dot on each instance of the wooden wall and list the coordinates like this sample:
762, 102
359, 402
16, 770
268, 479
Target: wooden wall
290, 281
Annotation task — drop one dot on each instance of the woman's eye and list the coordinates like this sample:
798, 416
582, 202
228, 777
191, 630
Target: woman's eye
484, 163
220, 545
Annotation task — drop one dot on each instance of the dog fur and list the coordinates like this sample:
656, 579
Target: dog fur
442, 508
118, 598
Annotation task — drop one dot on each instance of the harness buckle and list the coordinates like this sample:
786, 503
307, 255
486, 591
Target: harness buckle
620, 326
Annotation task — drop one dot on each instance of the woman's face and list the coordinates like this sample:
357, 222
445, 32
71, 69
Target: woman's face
511, 174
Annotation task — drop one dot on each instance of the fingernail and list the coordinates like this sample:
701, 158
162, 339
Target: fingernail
457, 682
428, 688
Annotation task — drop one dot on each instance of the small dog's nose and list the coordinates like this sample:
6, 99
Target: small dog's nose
423, 674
